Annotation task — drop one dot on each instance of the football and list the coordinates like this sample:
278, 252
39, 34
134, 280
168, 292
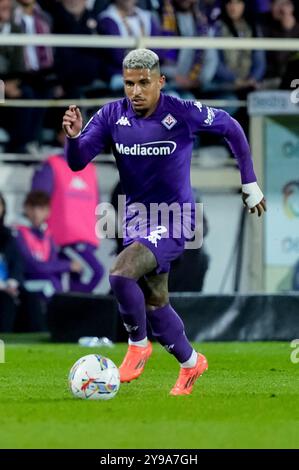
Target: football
94, 377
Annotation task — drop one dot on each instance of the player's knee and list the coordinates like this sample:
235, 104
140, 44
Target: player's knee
122, 267
122, 272
157, 300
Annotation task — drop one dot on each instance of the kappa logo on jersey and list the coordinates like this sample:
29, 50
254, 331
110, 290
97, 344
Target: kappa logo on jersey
123, 121
161, 147
198, 105
78, 183
169, 121
156, 235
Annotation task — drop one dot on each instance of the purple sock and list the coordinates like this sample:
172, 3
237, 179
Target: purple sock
168, 329
131, 305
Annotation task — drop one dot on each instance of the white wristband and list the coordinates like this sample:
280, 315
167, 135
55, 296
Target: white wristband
255, 194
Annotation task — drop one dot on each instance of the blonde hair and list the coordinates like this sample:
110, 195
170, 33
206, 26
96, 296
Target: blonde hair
141, 59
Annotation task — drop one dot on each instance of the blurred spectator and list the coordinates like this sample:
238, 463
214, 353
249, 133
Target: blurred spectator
42, 266
238, 70
17, 122
78, 69
33, 20
186, 69
38, 62
280, 23
74, 197
10, 274
11, 57
123, 18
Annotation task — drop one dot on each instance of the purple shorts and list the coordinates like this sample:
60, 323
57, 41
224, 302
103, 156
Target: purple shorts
165, 248
165, 238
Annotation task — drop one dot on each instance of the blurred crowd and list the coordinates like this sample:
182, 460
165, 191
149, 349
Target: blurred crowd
70, 72
52, 247
48, 252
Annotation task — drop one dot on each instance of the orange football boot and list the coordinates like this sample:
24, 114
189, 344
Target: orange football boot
189, 375
134, 362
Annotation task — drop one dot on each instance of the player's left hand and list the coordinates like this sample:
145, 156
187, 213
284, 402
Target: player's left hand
253, 198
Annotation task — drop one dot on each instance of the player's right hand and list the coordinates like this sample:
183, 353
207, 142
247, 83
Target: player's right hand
72, 121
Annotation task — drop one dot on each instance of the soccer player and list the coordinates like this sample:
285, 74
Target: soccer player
151, 135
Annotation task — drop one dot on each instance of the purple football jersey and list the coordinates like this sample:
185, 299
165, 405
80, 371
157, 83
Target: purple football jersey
153, 154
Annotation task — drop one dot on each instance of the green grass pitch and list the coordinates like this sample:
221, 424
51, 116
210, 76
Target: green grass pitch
247, 399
